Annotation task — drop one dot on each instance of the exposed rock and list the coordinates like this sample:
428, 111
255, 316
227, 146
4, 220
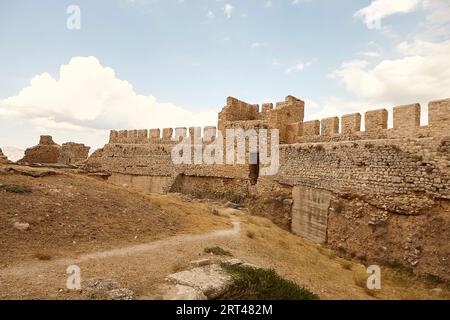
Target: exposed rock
22, 226
35, 173
233, 261
287, 203
201, 262
120, 294
181, 292
211, 280
102, 288
232, 205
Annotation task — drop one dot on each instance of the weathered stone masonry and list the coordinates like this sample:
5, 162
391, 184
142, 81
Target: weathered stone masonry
49, 152
382, 194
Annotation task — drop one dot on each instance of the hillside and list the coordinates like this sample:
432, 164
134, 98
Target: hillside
51, 219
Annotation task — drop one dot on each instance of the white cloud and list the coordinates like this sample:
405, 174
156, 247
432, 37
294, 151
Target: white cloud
210, 14
421, 74
296, 68
379, 9
228, 10
371, 54
257, 44
329, 107
299, 67
437, 23
87, 100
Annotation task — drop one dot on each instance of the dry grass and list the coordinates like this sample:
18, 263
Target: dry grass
218, 251
179, 265
347, 265
321, 269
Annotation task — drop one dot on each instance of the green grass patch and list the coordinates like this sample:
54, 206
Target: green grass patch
218, 251
262, 284
15, 188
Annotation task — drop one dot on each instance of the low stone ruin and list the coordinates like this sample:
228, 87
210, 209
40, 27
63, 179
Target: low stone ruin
3, 158
49, 152
72, 153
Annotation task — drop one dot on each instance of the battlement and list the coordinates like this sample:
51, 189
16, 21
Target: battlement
287, 116
406, 123
164, 136
239, 113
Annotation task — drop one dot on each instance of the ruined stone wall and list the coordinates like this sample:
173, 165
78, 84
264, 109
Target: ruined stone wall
379, 194
240, 114
47, 151
72, 153
3, 158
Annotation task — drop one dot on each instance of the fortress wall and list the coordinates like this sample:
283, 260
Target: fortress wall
389, 203
46, 151
406, 124
439, 113
351, 124
355, 190
72, 153
311, 128
329, 126
407, 117
377, 167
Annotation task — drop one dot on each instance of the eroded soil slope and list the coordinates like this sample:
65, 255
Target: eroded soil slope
71, 214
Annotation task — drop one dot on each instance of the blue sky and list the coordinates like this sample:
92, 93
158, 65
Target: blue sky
190, 55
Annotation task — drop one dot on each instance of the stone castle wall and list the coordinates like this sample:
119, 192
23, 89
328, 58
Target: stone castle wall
337, 184
49, 152
72, 153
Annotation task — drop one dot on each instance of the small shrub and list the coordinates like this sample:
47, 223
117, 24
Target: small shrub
179, 266
262, 284
319, 147
338, 207
360, 280
15, 188
237, 198
218, 251
347, 265
327, 252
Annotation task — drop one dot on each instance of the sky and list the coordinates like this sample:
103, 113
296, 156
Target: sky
76, 69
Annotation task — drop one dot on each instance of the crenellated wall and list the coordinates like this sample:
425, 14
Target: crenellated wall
338, 183
406, 120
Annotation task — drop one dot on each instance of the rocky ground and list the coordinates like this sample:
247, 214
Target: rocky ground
127, 243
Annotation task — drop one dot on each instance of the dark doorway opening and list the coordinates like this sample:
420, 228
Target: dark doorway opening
254, 168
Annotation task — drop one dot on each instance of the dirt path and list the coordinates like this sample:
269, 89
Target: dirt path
142, 268
45, 279
146, 248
